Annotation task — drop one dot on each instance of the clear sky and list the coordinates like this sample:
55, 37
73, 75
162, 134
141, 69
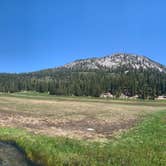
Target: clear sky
38, 34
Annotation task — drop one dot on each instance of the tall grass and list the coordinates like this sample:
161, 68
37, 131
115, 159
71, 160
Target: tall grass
145, 145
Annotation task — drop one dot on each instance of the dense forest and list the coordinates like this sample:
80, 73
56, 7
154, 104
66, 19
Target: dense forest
144, 83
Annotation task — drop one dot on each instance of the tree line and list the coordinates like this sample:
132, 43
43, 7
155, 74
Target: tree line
145, 84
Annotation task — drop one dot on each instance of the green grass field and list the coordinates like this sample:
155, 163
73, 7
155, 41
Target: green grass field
143, 144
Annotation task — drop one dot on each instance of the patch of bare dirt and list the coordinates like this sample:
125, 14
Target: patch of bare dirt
86, 128
74, 119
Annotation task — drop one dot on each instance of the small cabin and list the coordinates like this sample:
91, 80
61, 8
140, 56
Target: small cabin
106, 95
134, 97
123, 96
161, 97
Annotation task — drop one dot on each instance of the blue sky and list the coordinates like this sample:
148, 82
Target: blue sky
38, 34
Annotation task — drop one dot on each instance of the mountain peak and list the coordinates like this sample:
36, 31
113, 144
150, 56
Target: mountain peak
109, 62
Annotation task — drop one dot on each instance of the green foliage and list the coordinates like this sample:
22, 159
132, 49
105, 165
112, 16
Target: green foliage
144, 145
146, 84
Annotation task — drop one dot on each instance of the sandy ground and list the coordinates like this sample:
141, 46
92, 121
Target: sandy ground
74, 119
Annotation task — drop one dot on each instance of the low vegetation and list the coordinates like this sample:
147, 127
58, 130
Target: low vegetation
144, 145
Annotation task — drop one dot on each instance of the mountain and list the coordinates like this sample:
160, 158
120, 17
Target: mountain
119, 74
111, 62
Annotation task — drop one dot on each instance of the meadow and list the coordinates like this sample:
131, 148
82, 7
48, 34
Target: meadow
56, 130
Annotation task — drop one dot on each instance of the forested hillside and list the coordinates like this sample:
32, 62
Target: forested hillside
79, 80
143, 83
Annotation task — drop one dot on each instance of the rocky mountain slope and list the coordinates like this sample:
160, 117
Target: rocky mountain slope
129, 61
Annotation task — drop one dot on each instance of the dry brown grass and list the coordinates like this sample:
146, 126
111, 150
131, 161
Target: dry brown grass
73, 118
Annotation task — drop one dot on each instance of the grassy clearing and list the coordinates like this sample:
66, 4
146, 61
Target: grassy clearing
46, 96
144, 145
72, 118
